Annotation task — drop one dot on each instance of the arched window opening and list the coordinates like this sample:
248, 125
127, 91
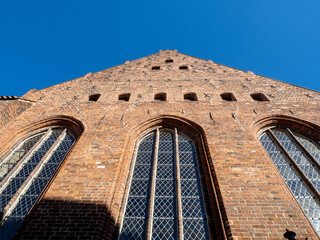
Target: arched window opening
165, 199
25, 173
297, 159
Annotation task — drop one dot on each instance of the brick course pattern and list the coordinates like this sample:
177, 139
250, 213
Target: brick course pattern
10, 109
247, 196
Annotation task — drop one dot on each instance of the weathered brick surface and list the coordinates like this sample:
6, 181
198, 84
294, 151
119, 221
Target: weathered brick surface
10, 109
85, 199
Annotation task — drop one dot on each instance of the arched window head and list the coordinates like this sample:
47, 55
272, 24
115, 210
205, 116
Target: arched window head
25, 172
297, 159
165, 199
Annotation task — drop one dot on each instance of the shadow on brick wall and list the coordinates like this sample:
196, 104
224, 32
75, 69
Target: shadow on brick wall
59, 219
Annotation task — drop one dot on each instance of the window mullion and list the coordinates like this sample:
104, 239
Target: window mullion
26, 157
304, 150
15, 199
178, 186
295, 166
152, 187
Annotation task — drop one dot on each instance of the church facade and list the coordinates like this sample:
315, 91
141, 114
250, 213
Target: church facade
168, 146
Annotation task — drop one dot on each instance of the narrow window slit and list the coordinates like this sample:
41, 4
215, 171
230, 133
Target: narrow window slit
184, 67
155, 68
169, 60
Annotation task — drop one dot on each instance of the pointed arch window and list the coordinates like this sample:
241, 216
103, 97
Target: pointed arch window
297, 159
165, 199
26, 171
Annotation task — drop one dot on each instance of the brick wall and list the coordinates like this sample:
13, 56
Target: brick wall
10, 109
85, 199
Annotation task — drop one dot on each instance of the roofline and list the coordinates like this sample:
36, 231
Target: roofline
187, 56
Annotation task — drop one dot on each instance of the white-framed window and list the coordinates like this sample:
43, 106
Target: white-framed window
25, 172
297, 159
165, 199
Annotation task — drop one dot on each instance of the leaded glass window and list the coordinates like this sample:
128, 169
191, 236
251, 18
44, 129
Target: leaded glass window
26, 171
165, 199
297, 159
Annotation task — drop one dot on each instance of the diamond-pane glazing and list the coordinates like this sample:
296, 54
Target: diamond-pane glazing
165, 172
308, 144
191, 193
36, 184
133, 229
166, 142
165, 188
188, 172
296, 185
298, 156
165, 157
137, 207
164, 207
144, 158
165, 217
139, 187
134, 222
17, 155
190, 188
187, 158
164, 228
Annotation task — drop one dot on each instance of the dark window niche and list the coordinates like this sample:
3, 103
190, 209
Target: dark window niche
169, 60
124, 97
160, 97
184, 67
190, 96
228, 97
155, 68
94, 97
260, 97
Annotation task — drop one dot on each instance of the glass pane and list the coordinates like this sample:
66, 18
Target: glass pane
164, 215
296, 185
29, 197
134, 222
165, 218
18, 154
193, 210
313, 148
164, 229
298, 156
133, 229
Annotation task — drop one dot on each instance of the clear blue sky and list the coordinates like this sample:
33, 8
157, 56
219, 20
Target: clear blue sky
45, 42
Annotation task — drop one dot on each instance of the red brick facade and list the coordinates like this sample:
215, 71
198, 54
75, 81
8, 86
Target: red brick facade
247, 197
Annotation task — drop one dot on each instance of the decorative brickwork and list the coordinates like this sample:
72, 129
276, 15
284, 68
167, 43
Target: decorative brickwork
247, 196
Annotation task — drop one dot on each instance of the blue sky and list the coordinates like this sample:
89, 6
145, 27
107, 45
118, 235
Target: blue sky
46, 42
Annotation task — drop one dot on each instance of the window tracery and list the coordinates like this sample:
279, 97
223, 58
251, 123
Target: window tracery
165, 198
297, 159
26, 171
